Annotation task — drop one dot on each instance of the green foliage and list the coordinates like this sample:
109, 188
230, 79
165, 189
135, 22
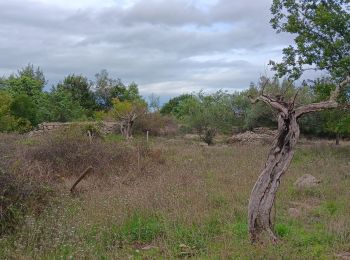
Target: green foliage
322, 36
7, 121
108, 89
24, 107
27, 81
209, 114
63, 107
142, 228
80, 89
174, 106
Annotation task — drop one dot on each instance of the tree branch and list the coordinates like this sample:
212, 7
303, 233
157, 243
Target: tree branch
270, 101
330, 104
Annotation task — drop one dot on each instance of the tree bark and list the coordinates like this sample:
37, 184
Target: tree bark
263, 195
337, 139
264, 192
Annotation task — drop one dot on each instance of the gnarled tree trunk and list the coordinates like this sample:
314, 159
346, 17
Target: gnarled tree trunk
264, 192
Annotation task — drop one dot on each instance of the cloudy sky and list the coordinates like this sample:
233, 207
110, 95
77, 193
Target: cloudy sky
166, 46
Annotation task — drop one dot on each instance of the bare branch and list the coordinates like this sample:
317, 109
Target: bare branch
264, 84
270, 101
330, 104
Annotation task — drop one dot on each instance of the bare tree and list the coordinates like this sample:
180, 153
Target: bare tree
263, 195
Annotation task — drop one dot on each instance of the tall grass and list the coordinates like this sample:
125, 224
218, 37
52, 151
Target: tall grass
182, 200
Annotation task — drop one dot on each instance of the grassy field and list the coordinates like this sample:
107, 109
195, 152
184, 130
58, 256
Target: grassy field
179, 200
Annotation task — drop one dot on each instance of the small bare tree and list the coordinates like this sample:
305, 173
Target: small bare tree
126, 112
280, 156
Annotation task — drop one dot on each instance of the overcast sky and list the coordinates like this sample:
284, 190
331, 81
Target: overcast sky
167, 47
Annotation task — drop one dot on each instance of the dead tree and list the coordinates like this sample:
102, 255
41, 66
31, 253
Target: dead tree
263, 195
126, 124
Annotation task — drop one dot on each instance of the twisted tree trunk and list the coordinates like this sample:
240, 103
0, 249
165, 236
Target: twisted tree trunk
280, 156
264, 191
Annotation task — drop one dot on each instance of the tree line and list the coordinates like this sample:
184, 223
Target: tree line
24, 103
226, 112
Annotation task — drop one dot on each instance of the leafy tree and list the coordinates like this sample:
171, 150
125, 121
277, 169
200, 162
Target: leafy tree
7, 121
33, 73
336, 122
209, 114
126, 112
322, 36
108, 88
23, 107
63, 107
80, 89
27, 81
175, 105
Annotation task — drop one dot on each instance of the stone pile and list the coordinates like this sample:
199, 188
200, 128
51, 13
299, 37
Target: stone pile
104, 127
263, 135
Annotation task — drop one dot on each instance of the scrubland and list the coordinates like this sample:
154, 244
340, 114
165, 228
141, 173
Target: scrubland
170, 198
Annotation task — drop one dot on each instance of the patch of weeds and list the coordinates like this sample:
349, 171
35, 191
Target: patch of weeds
302, 156
193, 239
114, 138
142, 228
240, 229
282, 229
213, 227
306, 238
28, 142
218, 201
300, 194
331, 208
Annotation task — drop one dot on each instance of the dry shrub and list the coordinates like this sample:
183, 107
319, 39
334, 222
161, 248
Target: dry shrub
69, 151
18, 195
156, 124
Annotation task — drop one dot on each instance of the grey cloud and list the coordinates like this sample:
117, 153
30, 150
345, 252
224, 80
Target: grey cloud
152, 42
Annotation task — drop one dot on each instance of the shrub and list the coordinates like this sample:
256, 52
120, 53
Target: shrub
156, 124
69, 151
19, 195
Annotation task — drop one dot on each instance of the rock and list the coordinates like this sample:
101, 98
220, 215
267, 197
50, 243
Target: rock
149, 247
306, 181
343, 255
203, 144
294, 212
191, 137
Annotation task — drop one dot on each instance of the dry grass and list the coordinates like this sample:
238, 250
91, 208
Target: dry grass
180, 200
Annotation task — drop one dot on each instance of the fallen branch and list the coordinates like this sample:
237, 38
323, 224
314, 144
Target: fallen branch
82, 176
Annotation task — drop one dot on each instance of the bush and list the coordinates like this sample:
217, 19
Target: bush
19, 195
156, 124
67, 152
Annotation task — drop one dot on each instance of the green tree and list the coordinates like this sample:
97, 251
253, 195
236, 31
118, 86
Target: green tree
23, 107
7, 121
208, 114
322, 36
175, 105
126, 112
80, 89
63, 107
108, 88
